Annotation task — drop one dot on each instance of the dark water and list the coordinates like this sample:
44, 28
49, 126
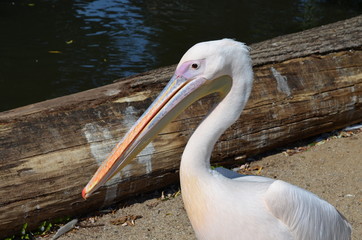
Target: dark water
50, 48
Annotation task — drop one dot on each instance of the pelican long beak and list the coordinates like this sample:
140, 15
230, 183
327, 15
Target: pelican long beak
179, 93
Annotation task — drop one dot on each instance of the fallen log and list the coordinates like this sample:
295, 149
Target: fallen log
305, 84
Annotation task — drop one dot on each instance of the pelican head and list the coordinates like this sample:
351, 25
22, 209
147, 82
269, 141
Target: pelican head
206, 68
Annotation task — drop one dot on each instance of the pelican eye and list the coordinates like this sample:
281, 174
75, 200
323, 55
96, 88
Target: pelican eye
195, 66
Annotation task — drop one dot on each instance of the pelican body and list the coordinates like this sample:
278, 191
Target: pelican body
220, 203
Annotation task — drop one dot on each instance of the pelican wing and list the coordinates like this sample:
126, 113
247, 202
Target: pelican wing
306, 215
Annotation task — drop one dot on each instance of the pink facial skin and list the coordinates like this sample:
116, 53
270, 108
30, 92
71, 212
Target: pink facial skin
190, 69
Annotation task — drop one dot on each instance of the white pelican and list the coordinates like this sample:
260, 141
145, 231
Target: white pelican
222, 204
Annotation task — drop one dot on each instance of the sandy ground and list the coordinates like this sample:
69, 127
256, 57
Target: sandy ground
332, 169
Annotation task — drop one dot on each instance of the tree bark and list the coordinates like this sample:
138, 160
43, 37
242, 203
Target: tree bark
306, 83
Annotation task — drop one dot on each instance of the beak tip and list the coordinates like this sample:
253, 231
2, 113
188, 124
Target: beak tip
84, 194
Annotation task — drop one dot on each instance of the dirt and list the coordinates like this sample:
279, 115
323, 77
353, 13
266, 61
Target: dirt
332, 169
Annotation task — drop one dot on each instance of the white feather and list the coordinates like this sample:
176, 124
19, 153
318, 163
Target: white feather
223, 205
